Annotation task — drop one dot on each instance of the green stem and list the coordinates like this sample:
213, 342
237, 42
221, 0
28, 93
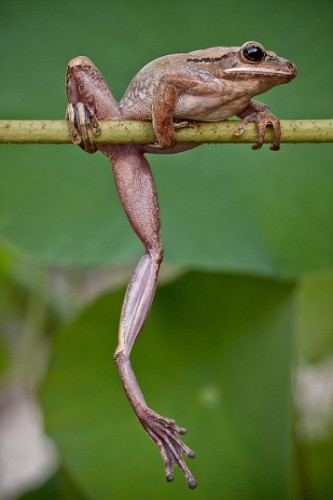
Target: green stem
138, 132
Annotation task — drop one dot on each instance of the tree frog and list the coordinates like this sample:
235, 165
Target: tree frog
172, 91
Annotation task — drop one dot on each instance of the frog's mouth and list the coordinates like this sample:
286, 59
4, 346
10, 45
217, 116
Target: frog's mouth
246, 72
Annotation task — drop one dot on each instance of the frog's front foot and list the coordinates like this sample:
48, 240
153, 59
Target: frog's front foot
81, 119
262, 119
166, 137
163, 431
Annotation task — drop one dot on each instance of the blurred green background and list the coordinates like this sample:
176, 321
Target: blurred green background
239, 343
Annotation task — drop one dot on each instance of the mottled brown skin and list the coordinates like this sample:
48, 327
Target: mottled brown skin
172, 91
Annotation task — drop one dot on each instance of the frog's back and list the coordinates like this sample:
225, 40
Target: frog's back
137, 100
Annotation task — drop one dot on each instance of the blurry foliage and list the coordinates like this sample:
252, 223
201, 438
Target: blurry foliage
222, 344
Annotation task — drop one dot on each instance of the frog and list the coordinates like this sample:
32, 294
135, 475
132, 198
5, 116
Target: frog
172, 91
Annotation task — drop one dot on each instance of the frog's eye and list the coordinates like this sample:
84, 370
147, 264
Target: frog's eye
253, 52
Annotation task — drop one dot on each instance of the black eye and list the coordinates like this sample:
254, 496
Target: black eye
253, 53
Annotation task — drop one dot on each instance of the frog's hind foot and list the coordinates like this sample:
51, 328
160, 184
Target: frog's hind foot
82, 119
163, 431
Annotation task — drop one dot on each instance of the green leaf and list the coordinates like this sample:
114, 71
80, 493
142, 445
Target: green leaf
4, 358
59, 487
223, 207
216, 355
318, 466
315, 318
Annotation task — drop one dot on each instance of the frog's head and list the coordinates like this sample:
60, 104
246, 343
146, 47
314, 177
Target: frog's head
252, 62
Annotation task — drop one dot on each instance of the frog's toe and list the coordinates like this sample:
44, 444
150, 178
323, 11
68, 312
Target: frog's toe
82, 118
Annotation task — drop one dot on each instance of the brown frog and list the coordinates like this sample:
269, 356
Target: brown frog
173, 91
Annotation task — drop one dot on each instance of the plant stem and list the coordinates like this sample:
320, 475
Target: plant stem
138, 132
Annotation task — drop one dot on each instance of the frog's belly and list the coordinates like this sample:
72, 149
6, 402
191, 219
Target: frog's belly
207, 108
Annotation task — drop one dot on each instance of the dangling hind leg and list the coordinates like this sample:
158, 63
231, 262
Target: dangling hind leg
136, 189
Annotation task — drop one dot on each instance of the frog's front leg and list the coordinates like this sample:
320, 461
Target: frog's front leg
164, 102
90, 100
259, 114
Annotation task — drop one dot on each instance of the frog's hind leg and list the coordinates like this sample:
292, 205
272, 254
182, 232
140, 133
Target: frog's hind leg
137, 192
90, 100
